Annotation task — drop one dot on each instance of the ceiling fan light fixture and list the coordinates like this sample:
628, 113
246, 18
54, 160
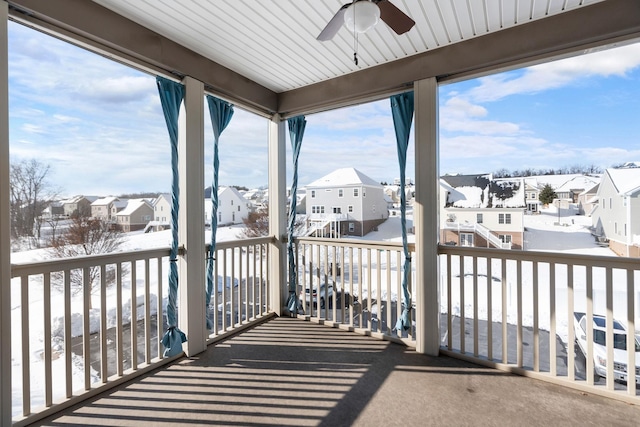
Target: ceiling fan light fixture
361, 16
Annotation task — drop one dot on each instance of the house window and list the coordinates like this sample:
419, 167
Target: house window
479, 218
313, 194
624, 201
504, 218
625, 229
219, 216
232, 203
233, 216
364, 192
466, 239
615, 227
350, 208
238, 208
317, 209
337, 210
355, 192
340, 192
609, 202
505, 238
352, 227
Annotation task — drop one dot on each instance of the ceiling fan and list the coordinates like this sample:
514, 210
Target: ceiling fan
361, 15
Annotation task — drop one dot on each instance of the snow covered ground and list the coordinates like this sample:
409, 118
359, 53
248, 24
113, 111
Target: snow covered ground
543, 233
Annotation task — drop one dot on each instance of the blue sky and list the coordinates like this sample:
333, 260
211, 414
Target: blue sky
99, 124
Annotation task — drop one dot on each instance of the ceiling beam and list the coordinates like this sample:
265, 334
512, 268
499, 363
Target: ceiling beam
93, 26
564, 34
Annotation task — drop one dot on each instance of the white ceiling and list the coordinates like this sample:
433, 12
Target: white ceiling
273, 42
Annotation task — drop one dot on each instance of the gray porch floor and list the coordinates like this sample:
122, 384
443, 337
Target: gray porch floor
292, 372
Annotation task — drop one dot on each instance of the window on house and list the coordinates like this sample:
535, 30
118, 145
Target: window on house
466, 239
337, 210
233, 216
615, 227
505, 238
610, 203
340, 192
355, 192
232, 203
350, 208
479, 218
238, 208
507, 218
625, 229
352, 227
219, 216
500, 218
313, 194
364, 192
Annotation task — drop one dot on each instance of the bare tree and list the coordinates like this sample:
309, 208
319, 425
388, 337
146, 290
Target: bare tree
257, 223
87, 236
29, 192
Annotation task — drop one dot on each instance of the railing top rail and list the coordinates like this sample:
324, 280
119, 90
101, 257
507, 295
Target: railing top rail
226, 244
346, 242
60, 264
545, 257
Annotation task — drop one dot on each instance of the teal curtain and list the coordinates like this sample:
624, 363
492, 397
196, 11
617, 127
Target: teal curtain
221, 113
296, 132
402, 111
171, 95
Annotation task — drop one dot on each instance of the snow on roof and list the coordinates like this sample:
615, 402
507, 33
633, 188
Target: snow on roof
344, 176
480, 191
626, 180
579, 182
133, 206
104, 201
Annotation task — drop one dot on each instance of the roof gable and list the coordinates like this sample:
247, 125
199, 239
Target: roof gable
344, 177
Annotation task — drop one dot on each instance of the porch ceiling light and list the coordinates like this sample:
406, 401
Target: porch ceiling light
360, 16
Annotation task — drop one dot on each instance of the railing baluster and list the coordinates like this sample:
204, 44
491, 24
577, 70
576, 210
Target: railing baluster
223, 303
631, 336
462, 304
536, 333
379, 302
103, 324
505, 342
67, 334
119, 326
475, 305
147, 313
519, 339
571, 371
610, 338
133, 324
48, 393
449, 305
26, 366
553, 350
159, 311
589, 323
489, 261
86, 337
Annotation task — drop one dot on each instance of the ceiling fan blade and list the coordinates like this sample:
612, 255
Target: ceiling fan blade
399, 21
334, 25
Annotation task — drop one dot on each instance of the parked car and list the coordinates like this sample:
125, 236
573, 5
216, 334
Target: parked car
600, 346
326, 291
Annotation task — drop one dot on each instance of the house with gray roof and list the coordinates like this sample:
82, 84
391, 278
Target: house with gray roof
345, 202
135, 216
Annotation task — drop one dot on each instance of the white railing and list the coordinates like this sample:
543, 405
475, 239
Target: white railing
74, 333
365, 285
240, 293
481, 230
516, 311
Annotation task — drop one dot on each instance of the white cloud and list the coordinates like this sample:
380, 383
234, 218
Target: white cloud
557, 74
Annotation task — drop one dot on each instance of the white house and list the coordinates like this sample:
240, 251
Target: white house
477, 210
345, 202
101, 208
617, 215
232, 207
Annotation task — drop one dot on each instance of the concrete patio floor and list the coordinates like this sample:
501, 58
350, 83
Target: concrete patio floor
293, 372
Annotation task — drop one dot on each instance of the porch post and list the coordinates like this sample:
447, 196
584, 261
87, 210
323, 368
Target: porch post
191, 265
277, 213
5, 227
425, 213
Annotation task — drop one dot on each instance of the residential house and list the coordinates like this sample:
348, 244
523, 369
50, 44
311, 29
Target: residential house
101, 208
135, 216
78, 205
477, 210
233, 208
617, 215
118, 206
53, 211
345, 202
161, 213
571, 189
588, 200
532, 195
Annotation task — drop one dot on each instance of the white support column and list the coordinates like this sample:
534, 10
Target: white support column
191, 265
425, 213
277, 213
5, 226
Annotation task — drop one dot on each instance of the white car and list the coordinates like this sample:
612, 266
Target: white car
600, 347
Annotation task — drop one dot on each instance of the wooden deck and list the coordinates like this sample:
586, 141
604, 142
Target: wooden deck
293, 372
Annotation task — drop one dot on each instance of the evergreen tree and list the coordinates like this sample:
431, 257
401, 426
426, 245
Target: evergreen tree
547, 195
